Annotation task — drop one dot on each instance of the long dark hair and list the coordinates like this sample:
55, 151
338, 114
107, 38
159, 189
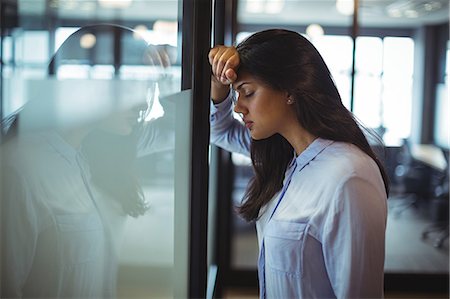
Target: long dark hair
112, 159
287, 61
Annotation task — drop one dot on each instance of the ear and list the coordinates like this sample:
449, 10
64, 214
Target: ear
290, 100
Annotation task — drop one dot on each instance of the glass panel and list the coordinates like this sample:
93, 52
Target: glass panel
32, 47
336, 50
406, 37
397, 87
369, 61
95, 124
441, 134
386, 59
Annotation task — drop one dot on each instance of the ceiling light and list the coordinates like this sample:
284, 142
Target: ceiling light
166, 27
274, 6
69, 4
413, 8
88, 6
430, 6
395, 13
255, 6
314, 31
411, 13
115, 3
87, 41
345, 7
140, 31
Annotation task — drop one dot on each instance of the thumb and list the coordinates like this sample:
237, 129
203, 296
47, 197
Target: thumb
231, 75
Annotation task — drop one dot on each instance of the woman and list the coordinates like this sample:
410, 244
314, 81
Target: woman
319, 193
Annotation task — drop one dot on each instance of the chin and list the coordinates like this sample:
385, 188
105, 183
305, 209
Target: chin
260, 136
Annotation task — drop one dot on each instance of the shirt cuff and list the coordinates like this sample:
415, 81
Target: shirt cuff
224, 104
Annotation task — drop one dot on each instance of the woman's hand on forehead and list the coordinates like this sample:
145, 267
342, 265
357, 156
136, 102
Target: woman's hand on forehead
224, 63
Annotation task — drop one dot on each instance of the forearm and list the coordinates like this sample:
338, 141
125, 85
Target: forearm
226, 131
219, 91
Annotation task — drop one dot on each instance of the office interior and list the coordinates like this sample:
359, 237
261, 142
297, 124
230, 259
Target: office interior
390, 62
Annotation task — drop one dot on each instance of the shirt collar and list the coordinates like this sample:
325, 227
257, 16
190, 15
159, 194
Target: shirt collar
312, 151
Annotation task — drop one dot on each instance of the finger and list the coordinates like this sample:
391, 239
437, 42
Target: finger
220, 61
212, 53
216, 54
229, 59
229, 70
230, 75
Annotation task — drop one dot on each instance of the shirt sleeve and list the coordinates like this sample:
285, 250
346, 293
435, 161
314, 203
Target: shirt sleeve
19, 233
354, 240
226, 131
156, 136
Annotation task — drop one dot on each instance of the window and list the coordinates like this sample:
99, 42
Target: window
383, 79
336, 50
397, 84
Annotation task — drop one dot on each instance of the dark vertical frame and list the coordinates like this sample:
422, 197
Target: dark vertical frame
434, 47
117, 42
2, 32
224, 33
8, 20
221, 241
51, 25
196, 32
355, 29
230, 22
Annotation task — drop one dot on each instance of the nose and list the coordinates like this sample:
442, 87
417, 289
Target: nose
239, 106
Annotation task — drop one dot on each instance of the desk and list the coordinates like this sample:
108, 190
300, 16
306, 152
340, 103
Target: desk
430, 155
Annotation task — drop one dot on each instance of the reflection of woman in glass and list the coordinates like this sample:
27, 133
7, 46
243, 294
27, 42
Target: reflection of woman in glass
67, 179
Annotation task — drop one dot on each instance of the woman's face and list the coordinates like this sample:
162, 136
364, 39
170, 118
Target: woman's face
129, 103
122, 122
264, 110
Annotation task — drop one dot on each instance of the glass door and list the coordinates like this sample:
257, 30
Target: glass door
96, 149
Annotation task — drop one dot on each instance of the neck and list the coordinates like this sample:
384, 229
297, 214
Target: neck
74, 137
298, 137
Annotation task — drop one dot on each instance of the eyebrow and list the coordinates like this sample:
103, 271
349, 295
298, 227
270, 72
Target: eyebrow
240, 85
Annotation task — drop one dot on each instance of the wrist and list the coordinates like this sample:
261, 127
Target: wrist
219, 92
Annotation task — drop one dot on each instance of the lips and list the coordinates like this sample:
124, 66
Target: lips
248, 124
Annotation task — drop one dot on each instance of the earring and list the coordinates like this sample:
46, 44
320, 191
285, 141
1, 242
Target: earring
290, 101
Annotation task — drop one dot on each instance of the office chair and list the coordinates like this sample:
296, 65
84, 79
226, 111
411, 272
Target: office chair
413, 179
440, 211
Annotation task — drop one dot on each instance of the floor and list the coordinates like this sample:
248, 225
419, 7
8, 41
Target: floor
237, 293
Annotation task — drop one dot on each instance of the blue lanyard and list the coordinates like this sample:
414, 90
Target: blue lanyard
261, 259
283, 191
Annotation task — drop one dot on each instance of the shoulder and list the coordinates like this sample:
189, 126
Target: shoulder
357, 177
348, 173
343, 161
28, 155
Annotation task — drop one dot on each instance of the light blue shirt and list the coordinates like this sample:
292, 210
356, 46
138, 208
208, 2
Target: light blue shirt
323, 234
